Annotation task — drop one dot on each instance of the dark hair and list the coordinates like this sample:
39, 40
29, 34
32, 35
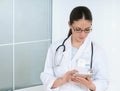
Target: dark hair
78, 13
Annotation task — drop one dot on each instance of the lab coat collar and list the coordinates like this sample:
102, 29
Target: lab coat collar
68, 45
83, 47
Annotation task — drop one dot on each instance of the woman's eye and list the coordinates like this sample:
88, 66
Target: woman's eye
87, 29
77, 29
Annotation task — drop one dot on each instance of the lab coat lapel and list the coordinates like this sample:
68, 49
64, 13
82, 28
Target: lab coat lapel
68, 46
82, 48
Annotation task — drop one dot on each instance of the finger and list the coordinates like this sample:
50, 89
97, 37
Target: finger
81, 79
75, 80
74, 71
89, 79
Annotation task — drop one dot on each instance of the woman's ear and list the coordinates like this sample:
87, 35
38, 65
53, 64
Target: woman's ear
69, 24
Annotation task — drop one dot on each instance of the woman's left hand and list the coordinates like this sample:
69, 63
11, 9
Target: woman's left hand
85, 81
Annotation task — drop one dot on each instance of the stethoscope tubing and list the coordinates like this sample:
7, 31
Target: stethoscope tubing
64, 48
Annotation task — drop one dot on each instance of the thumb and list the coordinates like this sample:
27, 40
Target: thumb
73, 72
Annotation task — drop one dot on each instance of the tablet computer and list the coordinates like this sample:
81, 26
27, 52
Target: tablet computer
84, 75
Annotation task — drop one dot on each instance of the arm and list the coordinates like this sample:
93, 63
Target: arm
66, 78
85, 81
100, 78
47, 76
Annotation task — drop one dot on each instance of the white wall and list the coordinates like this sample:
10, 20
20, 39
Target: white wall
106, 29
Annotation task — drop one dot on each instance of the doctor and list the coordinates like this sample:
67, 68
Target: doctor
76, 55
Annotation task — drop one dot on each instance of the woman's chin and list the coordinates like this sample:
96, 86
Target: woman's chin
80, 41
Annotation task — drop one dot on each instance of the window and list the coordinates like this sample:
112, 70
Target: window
25, 35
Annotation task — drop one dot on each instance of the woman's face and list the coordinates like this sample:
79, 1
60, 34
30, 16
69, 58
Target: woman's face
80, 29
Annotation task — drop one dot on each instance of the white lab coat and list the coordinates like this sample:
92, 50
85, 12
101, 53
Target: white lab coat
52, 72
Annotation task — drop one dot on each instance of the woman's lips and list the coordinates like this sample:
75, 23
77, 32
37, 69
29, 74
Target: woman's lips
81, 37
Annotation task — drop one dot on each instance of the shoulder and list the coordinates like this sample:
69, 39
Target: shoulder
55, 44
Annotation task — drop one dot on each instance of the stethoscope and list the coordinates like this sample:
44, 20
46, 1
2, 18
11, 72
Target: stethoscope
60, 55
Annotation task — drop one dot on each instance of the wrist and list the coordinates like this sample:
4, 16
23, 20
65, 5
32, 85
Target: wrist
61, 81
58, 82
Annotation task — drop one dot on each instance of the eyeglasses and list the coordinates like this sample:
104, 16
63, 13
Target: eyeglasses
79, 30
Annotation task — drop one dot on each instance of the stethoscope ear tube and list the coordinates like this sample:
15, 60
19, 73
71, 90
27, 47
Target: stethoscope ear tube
91, 56
62, 45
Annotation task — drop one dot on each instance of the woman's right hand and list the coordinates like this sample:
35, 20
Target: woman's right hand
66, 78
68, 75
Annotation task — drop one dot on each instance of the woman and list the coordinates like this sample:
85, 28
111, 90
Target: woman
64, 64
